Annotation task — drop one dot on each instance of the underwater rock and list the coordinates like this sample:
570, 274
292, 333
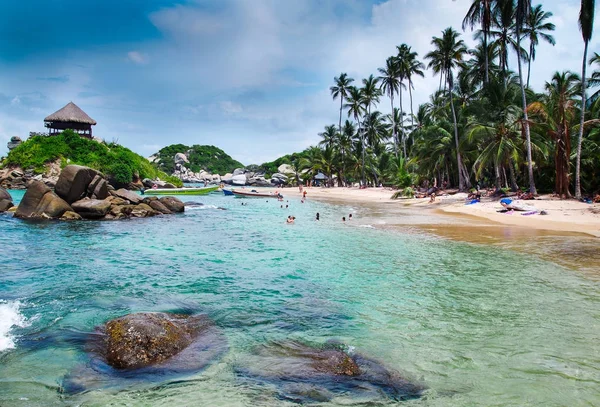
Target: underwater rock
193, 341
139, 340
302, 373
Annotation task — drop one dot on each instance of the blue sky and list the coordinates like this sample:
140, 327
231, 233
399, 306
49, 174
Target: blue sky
249, 76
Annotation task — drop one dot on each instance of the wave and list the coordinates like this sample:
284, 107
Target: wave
9, 318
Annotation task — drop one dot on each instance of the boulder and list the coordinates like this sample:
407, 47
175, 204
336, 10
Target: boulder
115, 200
173, 204
181, 159
159, 207
73, 182
68, 215
286, 169
121, 211
127, 195
145, 339
143, 211
91, 208
14, 142
39, 202
98, 188
239, 179
239, 171
5, 200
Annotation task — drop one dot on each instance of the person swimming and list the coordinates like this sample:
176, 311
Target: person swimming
343, 219
290, 219
350, 217
317, 218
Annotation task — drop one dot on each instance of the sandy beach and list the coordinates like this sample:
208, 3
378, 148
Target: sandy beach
562, 215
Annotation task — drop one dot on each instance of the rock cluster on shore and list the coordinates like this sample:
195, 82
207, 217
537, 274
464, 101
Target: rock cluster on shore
240, 176
84, 193
17, 178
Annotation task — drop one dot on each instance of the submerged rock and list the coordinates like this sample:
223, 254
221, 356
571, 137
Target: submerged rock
146, 347
144, 339
302, 373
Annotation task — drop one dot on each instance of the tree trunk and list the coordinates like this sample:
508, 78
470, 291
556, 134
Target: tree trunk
394, 124
485, 50
513, 180
412, 115
461, 182
525, 116
402, 121
341, 172
362, 142
498, 179
581, 120
529, 64
505, 177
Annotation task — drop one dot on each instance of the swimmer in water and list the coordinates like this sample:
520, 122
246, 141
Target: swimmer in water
317, 218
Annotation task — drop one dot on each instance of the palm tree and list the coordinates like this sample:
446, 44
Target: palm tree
448, 54
480, 12
523, 9
356, 108
402, 61
390, 84
478, 70
414, 67
329, 136
586, 24
594, 80
557, 115
340, 89
537, 28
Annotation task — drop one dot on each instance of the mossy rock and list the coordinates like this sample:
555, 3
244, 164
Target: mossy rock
144, 339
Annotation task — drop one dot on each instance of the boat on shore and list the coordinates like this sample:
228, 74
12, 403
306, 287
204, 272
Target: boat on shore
255, 194
227, 192
181, 191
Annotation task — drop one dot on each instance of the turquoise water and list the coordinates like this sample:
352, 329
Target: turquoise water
475, 325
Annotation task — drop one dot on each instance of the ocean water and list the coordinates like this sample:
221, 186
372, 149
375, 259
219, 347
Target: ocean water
475, 324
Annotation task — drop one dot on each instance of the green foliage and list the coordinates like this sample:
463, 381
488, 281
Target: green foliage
408, 192
290, 159
207, 158
114, 160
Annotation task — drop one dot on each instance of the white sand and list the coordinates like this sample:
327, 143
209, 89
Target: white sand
563, 215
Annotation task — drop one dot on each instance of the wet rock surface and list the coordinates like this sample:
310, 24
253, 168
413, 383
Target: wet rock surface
302, 373
5, 200
146, 348
40, 202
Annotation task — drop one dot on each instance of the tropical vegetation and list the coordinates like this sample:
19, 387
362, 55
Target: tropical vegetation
117, 162
208, 158
484, 125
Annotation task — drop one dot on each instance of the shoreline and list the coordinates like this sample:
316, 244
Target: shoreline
564, 216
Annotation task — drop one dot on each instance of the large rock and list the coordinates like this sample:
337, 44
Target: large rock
68, 215
159, 207
5, 200
144, 339
73, 182
14, 142
39, 202
239, 171
173, 204
98, 188
91, 208
181, 159
143, 211
286, 169
127, 195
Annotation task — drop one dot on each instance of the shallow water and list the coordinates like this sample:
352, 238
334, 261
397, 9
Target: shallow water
476, 325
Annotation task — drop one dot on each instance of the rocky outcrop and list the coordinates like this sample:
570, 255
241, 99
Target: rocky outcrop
14, 142
99, 201
39, 202
127, 195
74, 181
91, 208
173, 204
5, 200
144, 339
181, 158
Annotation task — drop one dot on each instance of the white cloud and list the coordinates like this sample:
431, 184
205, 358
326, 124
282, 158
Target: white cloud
137, 57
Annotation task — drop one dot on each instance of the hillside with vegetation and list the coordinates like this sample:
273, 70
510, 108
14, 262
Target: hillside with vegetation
294, 160
117, 162
485, 124
208, 158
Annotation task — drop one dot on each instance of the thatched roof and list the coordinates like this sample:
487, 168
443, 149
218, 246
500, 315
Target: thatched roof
71, 113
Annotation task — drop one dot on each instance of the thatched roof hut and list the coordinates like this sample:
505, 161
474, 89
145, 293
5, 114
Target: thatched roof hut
70, 117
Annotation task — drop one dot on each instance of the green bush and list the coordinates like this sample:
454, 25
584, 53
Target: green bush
207, 158
115, 161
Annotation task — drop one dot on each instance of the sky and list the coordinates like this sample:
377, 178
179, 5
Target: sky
251, 77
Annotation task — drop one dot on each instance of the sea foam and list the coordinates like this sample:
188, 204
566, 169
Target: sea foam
9, 318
